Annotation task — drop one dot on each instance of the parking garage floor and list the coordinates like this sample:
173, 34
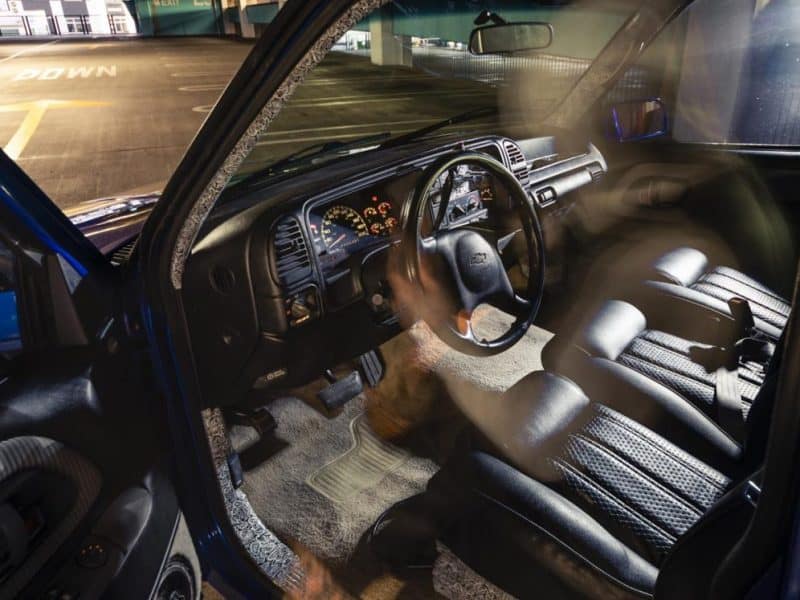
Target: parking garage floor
94, 118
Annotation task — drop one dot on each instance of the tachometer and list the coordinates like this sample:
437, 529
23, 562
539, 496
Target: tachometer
342, 226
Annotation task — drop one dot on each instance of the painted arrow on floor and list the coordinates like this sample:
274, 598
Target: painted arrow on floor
35, 111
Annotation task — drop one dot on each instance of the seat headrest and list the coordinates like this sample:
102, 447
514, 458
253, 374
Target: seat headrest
611, 329
683, 266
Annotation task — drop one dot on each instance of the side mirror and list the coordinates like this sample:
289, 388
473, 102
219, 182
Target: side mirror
637, 120
510, 37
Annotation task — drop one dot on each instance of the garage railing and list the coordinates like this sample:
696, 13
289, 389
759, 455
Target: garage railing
65, 25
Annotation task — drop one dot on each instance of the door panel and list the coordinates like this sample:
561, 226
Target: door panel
84, 499
87, 505
46, 489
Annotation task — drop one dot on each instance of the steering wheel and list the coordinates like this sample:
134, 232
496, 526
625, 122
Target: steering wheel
458, 269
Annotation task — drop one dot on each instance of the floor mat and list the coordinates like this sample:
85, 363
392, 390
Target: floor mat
363, 466
319, 449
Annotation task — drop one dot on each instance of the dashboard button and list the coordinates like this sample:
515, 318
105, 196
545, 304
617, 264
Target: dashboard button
546, 196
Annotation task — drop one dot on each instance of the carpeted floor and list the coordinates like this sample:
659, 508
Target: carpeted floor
489, 373
322, 482
280, 493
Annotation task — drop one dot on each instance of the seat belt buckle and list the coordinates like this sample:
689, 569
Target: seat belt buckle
755, 350
743, 317
752, 492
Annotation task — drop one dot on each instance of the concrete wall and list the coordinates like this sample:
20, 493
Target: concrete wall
178, 17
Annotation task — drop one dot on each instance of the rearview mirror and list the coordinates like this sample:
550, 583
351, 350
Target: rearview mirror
637, 120
510, 37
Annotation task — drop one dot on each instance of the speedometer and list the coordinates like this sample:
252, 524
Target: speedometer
342, 226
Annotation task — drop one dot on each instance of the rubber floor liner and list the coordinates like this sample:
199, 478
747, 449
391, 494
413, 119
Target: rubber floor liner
362, 467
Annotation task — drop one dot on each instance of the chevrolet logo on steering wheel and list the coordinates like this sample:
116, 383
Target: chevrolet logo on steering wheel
478, 258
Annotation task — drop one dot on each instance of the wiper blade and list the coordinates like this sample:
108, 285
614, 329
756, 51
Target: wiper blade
310, 152
476, 113
325, 147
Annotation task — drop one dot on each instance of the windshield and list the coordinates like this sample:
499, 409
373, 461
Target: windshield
405, 69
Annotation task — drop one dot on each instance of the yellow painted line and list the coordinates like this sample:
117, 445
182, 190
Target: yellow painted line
25, 132
34, 113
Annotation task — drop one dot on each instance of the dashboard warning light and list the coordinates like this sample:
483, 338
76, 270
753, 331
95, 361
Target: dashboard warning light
374, 198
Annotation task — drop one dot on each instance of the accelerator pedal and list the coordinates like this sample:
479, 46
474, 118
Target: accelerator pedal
340, 391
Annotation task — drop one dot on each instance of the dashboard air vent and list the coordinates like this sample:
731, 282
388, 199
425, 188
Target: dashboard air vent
519, 166
292, 262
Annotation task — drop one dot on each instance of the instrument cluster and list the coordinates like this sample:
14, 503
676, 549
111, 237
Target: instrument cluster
342, 227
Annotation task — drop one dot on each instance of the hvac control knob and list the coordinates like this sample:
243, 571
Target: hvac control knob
299, 311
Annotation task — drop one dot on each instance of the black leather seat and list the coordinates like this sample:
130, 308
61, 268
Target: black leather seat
574, 498
685, 273
620, 333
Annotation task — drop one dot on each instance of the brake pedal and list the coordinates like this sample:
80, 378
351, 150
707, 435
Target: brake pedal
340, 391
372, 367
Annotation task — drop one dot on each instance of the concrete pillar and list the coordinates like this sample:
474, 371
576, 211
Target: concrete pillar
248, 29
386, 48
228, 26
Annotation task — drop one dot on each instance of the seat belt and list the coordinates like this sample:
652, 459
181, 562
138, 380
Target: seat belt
750, 346
728, 402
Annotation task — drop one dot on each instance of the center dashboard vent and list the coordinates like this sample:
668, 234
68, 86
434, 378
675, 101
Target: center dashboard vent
519, 166
292, 261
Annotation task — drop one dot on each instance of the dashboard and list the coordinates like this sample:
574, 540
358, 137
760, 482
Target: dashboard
294, 273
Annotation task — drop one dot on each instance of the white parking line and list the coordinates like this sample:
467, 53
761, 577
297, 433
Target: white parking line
387, 78
25, 50
180, 65
187, 75
349, 100
211, 87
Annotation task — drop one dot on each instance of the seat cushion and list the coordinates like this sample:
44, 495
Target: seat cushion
620, 333
690, 268
643, 488
609, 492
666, 358
725, 283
